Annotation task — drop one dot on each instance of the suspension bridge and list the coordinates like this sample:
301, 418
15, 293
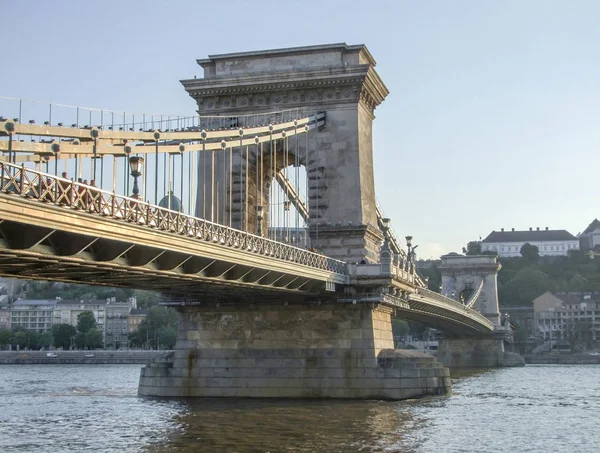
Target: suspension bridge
257, 216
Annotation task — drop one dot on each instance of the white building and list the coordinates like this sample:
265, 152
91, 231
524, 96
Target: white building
548, 242
66, 312
36, 315
590, 237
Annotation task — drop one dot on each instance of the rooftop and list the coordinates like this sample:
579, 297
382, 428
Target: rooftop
81, 302
24, 302
530, 236
287, 51
595, 225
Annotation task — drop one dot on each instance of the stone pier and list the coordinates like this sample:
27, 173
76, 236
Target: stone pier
463, 276
477, 353
302, 350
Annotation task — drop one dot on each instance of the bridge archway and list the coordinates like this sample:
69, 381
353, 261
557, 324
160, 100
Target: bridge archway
472, 280
337, 79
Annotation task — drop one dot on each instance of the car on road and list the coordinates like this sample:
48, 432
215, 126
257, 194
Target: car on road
89, 355
51, 354
594, 353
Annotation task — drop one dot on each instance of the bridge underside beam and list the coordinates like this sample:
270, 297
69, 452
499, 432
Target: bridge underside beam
73, 251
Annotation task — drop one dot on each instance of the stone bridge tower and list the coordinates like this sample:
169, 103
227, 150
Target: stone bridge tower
337, 79
463, 276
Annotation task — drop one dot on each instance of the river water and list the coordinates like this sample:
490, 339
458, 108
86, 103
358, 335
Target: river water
78, 408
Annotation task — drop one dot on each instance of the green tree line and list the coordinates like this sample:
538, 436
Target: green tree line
33, 289
524, 278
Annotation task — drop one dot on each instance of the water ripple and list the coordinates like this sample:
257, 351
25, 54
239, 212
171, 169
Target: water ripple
57, 408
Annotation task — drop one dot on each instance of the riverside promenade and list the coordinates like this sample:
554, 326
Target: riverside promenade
79, 357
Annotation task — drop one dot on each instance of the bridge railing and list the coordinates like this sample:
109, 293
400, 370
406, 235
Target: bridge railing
50, 189
457, 305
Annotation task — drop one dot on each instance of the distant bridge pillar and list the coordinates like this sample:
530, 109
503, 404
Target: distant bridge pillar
462, 277
338, 79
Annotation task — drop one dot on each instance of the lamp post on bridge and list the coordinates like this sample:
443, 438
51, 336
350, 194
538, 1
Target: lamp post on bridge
135, 164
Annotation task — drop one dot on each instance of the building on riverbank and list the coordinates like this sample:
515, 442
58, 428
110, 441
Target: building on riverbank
549, 242
135, 318
66, 311
35, 315
574, 317
112, 317
4, 317
116, 324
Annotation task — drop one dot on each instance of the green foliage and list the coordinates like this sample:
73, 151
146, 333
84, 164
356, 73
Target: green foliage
578, 283
523, 279
19, 339
63, 335
530, 253
579, 334
93, 339
5, 337
400, 328
528, 284
85, 321
157, 330
46, 340
80, 340
473, 248
167, 337
51, 290
146, 299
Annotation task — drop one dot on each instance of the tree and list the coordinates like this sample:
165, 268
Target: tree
150, 329
63, 335
33, 339
530, 253
20, 339
146, 299
93, 339
85, 321
528, 284
46, 339
579, 334
400, 327
578, 283
473, 248
167, 338
5, 337
80, 340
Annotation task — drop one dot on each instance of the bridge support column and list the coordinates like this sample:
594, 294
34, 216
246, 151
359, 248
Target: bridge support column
303, 350
477, 353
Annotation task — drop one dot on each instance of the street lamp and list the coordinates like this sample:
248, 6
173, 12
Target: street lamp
408, 246
135, 164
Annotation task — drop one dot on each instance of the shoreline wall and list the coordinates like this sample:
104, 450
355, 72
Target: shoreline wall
79, 357
562, 360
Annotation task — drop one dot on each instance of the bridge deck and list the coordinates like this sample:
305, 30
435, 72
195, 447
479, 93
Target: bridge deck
53, 228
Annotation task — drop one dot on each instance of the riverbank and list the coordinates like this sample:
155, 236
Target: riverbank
78, 357
562, 359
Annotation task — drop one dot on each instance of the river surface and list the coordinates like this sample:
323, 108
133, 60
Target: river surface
80, 408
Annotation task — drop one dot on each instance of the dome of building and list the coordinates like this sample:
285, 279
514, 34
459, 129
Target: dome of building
170, 201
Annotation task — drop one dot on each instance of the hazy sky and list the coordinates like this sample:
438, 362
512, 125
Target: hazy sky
493, 117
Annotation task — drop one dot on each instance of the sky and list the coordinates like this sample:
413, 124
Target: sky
493, 117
